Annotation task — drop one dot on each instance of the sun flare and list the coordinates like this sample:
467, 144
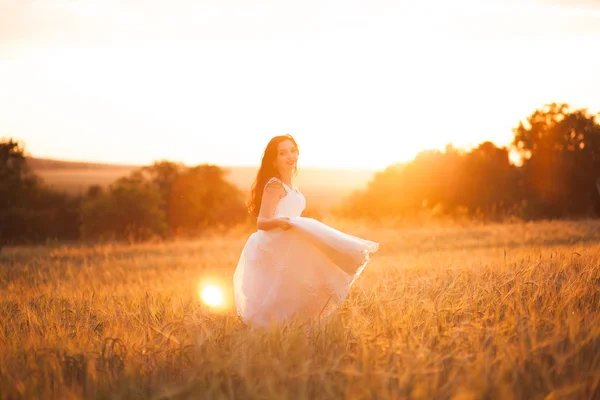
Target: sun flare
212, 296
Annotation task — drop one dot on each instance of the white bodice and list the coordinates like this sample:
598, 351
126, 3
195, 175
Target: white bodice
292, 204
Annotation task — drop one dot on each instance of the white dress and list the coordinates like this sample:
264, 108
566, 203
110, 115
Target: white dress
304, 272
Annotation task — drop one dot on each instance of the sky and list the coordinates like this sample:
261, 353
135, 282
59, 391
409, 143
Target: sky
359, 84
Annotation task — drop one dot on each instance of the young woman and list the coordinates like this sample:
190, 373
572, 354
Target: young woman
292, 266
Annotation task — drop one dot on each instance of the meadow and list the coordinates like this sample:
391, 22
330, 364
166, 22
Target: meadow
447, 311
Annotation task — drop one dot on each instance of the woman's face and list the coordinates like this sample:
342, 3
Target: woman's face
287, 156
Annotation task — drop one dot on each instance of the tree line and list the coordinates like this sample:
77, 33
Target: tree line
558, 178
165, 199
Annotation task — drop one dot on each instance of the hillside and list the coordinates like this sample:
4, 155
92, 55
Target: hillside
322, 187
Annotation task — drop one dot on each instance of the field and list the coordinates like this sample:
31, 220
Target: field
445, 312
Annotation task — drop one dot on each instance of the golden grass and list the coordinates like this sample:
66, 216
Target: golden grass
446, 312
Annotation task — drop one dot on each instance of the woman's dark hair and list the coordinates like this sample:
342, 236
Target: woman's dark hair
266, 171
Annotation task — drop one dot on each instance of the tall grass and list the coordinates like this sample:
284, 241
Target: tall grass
446, 312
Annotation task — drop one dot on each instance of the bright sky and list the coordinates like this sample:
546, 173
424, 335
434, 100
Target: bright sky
360, 84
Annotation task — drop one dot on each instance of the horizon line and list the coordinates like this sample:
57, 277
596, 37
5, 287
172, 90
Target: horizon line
224, 166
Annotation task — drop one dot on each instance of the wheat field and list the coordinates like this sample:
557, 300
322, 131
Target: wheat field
442, 312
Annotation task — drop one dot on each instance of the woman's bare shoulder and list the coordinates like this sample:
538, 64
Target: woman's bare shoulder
274, 187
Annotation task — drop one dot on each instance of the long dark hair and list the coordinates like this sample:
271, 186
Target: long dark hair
266, 171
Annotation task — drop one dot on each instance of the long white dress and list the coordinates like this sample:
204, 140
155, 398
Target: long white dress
303, 272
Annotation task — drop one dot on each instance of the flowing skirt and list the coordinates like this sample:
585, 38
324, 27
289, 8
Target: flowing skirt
304, 272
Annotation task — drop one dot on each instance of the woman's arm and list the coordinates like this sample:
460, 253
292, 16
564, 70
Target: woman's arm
273, 192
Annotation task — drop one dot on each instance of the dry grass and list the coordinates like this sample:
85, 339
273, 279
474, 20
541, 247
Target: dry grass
480, 312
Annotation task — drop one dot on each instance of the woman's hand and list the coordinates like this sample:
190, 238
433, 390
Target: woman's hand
284, 223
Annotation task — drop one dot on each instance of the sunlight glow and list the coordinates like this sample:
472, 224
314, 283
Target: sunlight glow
212, 296
358, 85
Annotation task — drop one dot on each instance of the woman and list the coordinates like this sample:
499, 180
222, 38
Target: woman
292, 267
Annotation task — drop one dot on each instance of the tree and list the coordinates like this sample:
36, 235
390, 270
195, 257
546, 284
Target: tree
162, 199
131, 209
30, 211
201, 198
161, 175
561, 152
480, 182
488, 182
16, 179
17, 186
194, 198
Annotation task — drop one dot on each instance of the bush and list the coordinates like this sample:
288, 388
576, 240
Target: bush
131, 209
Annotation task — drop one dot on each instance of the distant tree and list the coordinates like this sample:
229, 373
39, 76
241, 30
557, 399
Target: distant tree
16, 179
597, 205
480, 182
488, 182
561, 151
94, 192
17, 184
30, 211
163, 199
201, 197
131, 209
162, 175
